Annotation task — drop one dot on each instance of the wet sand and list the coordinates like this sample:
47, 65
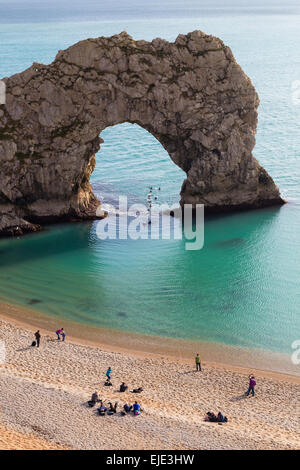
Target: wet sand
138, 344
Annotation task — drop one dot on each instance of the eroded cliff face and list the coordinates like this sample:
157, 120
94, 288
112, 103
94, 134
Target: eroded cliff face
190, 94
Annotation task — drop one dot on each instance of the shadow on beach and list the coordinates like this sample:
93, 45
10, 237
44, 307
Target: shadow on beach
24, 349
188, 372
239, 397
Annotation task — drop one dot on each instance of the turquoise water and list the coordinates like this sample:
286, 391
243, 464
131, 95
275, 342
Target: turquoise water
242, 288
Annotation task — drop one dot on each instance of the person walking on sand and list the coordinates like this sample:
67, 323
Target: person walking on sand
38, 338
198, 363
108, 373
252, 383
59, 332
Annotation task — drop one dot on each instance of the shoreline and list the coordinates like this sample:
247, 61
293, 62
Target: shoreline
222, 356
44, 393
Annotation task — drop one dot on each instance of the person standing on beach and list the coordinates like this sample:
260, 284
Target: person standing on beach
252, 383
38, 338
59, 332
108, 372
63, 334
198, 363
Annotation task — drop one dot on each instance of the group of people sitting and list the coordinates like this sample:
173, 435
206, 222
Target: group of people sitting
112, 409
102, 410
213, 418
123, 387
135, 408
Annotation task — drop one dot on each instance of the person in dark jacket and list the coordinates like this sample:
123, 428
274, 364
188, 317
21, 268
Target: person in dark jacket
123, 387
37, 338
127, 408
112, 408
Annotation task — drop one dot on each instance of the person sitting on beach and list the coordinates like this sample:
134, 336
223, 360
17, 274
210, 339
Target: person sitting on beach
137, 390
221, 418
136, 408
102, 409
95, 397
127, 408
108, 383
112, 408
123, 387
211, 417
252, 383
93, 400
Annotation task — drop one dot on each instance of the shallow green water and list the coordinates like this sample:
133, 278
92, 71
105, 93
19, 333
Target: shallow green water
241, 288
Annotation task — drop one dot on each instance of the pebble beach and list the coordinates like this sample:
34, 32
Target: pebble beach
44, 393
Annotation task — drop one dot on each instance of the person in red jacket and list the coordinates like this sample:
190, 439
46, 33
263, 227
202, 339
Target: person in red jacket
59, 332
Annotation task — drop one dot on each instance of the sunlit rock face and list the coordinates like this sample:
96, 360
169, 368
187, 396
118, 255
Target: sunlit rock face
191, 95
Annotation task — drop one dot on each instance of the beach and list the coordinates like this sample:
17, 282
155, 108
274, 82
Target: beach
44, 393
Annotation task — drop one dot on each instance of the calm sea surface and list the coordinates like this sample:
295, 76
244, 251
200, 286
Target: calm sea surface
243, 287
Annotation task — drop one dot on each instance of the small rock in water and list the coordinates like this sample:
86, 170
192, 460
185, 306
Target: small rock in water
87, 304
231, 242
122, 314
34, 301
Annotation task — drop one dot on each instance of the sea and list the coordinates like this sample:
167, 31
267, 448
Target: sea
242, 288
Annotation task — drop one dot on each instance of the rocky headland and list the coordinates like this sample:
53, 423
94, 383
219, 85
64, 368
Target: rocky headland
191, 95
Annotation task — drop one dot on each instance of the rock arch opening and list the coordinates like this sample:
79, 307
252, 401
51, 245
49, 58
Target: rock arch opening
131, 160
191, 95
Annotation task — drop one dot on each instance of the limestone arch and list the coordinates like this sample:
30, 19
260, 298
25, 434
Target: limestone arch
191, 95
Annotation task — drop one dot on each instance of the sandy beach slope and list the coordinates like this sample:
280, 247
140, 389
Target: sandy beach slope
14, 440
44, 392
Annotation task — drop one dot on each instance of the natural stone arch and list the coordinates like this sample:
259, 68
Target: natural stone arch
190, 94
